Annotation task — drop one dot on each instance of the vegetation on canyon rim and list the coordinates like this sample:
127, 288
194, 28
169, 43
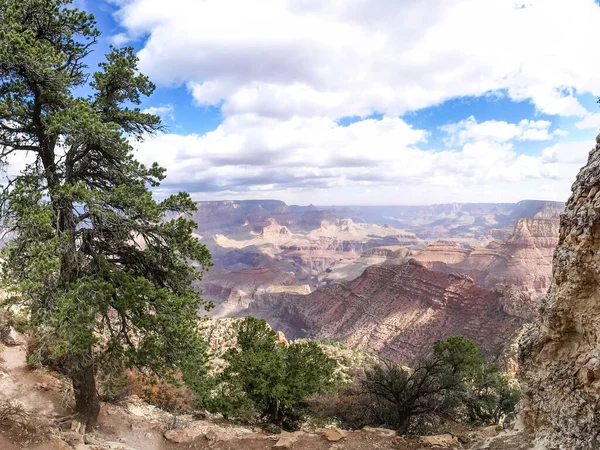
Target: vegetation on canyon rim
451, 382
108, 283
267, 378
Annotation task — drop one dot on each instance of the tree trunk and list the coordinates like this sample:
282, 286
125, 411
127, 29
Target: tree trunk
403, 421
87, 403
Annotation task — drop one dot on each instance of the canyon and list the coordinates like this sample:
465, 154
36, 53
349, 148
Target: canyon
395, 311
388, 280
524, 259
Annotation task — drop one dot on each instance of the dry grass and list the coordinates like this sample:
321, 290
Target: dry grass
12, 412
160, 393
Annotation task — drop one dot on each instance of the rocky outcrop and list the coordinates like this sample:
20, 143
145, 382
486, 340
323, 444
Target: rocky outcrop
389, 252
397, 311
274, 230
351, 269
232, 291
321, 246
560, 355
516, 302
523, 260
442, 253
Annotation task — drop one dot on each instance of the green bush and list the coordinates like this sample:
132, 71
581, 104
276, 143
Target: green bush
452, 382
267, 379
490, 396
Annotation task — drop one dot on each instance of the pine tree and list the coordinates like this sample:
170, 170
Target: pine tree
95, 260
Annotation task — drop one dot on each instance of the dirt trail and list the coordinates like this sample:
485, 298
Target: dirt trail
5, 444
510, 440
37, 390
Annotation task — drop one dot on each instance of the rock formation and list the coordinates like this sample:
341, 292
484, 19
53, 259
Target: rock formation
226, 216
452, 220
393, 254
560, 355
232, 291
523, 260
321, 246
397, 311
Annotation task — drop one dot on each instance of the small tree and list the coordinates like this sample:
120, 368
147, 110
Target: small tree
451, 382
490, 397
398, 394
103, 274
270, 378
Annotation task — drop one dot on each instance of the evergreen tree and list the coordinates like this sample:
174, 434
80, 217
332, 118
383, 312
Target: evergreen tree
267, 377
102, 272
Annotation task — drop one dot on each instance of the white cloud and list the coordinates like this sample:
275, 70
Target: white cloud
283, 72
469, 130
340, 58
589, 121
304, 159
120, 39
162, 111
567, 153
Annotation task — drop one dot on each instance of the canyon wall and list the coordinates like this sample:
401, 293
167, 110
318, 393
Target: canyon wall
396, 311
523, 260
559, 355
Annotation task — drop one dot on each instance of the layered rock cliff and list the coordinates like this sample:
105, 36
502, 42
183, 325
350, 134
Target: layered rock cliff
232, 291
523, 260
559, 355
397, 311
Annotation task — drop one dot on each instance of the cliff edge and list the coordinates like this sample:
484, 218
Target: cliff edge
560, 354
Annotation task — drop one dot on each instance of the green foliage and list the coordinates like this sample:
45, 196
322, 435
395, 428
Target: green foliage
490, 396
103, 274
267, 378
459, 354
452, 382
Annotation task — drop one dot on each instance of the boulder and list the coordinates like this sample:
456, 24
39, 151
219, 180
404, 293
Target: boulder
440, 440
286, 439
182, 435
334, 434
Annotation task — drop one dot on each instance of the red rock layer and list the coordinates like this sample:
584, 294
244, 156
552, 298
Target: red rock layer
399, 311
523, 260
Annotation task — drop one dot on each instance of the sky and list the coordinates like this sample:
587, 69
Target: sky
365, 102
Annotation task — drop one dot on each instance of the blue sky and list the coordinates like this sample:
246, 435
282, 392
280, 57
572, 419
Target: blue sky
365, 102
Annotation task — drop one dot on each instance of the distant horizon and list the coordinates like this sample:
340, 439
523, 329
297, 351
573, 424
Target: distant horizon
377, 205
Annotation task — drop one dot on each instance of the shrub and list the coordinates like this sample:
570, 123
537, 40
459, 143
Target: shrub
452, 382
490, 397
347, 407
169, 395
267, 379
12, 411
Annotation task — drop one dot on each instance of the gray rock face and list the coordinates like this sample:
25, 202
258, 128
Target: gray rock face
559, 357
